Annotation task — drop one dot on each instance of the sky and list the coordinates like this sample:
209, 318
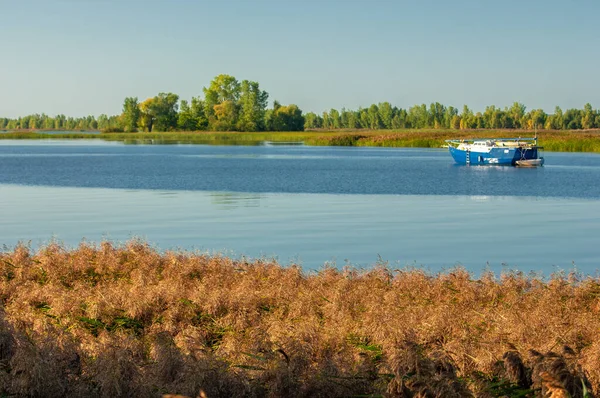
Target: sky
82, 57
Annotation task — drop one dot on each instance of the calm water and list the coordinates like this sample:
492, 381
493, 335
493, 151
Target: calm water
306, 204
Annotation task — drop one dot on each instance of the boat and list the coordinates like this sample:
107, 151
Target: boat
522, 152
530, 162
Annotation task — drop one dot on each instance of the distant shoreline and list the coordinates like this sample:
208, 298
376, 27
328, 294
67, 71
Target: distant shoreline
551, 140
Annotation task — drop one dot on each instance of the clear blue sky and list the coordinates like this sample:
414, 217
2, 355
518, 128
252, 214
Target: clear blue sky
81, 57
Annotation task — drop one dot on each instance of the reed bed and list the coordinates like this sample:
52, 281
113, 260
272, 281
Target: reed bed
558, 141
192, 137
551, 140
112, 320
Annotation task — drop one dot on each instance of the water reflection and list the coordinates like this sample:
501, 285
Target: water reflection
480, 198
130, 141
435, 232
232, 200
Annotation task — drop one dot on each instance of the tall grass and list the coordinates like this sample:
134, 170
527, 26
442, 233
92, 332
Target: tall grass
552, 140
563, 141
108, 320
222, 138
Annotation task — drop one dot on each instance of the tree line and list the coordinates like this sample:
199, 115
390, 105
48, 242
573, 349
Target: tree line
228, 105
231, 105
386, 116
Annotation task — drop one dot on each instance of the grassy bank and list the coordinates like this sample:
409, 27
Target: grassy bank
129, 321
219, 138
564, 141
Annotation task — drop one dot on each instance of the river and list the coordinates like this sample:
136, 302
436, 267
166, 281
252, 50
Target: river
306, 205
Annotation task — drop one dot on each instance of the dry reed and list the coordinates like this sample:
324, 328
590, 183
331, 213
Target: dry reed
107, 321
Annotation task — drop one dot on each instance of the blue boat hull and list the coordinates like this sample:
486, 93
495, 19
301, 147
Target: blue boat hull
497, 156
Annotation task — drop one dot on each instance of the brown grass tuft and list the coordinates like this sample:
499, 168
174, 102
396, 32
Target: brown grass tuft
126, 320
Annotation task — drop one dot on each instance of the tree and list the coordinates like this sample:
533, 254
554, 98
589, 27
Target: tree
165, 111
197, 109
456, 122
146, 119
572, 119
288, 118
226, 115
159, 113
364, 118
131, 114
491, 117
437, 113
348, 119
192, 118
588, 119
326, 121
312, 121
537, 119
253, 104
419, 116
399, 119
334, 119
386, 114
467, 119
373, 117
185, 121
222, 88
517, 113
556, 120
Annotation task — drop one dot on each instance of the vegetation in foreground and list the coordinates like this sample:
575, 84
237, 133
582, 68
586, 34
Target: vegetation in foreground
111, 321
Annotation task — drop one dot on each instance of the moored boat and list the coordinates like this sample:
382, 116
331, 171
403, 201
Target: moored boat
530, 162
496, 151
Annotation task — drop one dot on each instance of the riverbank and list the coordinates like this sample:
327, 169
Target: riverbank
127, 320
551, 140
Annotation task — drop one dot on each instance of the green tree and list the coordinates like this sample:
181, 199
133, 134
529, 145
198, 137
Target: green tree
165, 109
373, 115
102, 122
159, 113
555, 121
192, 118
467, 119
131, 114
253, 104
517, 114
536, 119
437, 113
588, 119
147, 118
225, 116
572, 119
288, 118
326, 121
312, 121
386, 114
364, 118
222, 88
491, 117
335, 121
48, 122
185, 120
419, 117
456, 122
